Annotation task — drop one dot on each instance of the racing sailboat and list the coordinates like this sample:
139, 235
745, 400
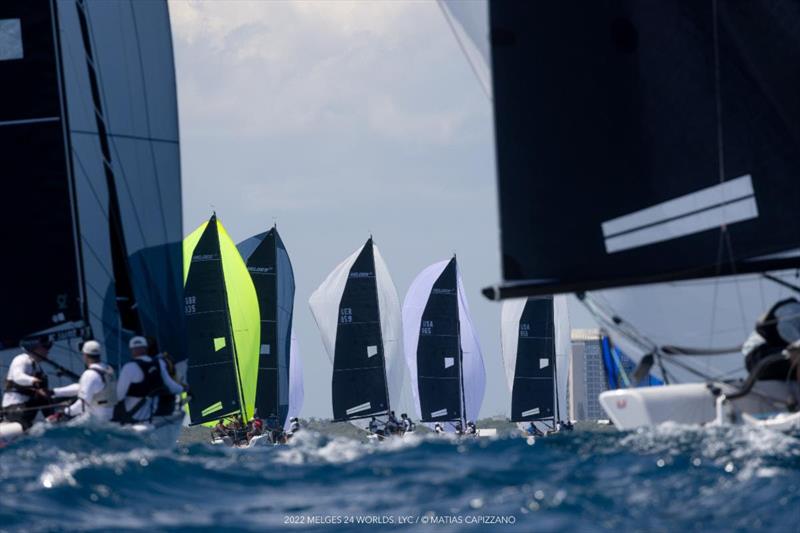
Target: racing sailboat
89, 144
279, 389
357, 311
222, 324
535, 337
441, 348
688, 125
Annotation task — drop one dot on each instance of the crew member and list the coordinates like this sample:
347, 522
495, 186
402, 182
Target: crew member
392, 425
438, 429
774, 332
294, 426
374, 426
26, 391
472, 431
97, 387
141, 382
408, 425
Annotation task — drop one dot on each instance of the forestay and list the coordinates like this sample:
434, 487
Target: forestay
357, 311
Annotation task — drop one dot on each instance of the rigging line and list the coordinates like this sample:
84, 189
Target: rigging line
463, 50
781, 282
738, 285
89, 181
718, 93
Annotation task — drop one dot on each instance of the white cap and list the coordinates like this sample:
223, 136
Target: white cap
92, 348
137, 342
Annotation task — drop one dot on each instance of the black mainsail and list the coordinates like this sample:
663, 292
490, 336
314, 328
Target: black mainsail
271, 270
676, 152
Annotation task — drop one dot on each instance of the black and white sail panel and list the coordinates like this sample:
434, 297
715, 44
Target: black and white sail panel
358, 314
441, 347
652, 141
268, 263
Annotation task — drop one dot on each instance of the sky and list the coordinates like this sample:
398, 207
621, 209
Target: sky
337, 120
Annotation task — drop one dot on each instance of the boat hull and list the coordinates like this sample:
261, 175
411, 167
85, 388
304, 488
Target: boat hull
691, 403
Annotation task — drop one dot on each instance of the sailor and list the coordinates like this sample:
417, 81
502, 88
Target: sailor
141, 382
374, 426
437, 428
294, 426
97, 388
472, 431
26, 391
459, 428
408, 425
220, 430
392, 424
774, 332
534, 431
166, 401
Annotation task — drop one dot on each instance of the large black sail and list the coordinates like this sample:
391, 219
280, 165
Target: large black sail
533, 391
359, 386
89, 138
439, 352
271, 270
650, 140
38, 198
212, 373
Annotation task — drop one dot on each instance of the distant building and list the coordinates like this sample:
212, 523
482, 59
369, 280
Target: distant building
587, 377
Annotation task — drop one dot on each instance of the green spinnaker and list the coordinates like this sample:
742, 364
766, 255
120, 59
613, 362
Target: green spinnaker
243, 310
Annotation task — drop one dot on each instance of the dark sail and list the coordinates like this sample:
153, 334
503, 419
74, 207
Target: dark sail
359, 377
439, 352
271, 270
650, 140
533, 392
212, 373
41, 283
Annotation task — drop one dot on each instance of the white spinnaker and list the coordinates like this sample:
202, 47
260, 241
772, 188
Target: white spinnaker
473, 372
391, 329
707, 314
413, 307
510, 315
324, 303
563, 350
296, 391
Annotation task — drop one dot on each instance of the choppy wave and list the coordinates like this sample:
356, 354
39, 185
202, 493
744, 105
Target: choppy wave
667, 479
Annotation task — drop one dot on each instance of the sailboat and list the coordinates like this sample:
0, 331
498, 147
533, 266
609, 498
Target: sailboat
357, 311
90, 150
441, 348
279, 390
535, 337
223, 326
674, 160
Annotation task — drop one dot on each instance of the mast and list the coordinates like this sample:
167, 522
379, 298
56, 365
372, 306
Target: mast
460, 354
380, 330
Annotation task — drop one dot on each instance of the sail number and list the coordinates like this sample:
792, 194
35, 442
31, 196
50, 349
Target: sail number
345, 315
426, 328
190, 304
524, 329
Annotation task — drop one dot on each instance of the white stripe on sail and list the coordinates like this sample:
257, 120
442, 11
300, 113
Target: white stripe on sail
440, 412
726, 203
529, 412
359, 408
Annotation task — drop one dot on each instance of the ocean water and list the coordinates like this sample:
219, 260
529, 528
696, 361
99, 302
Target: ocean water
667, 479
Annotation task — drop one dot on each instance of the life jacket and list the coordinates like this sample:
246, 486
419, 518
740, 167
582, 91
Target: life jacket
152, 384
107, 397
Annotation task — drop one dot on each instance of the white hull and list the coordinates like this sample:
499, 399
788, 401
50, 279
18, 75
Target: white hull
692, 403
